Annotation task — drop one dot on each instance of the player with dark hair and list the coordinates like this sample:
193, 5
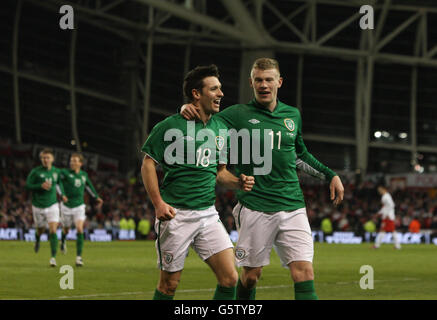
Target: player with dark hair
387, 213
274, 213
43, 181
193, 158
75, 182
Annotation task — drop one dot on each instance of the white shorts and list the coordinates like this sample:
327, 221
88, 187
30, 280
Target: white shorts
288, 231
69, 216
43, 216
202, 229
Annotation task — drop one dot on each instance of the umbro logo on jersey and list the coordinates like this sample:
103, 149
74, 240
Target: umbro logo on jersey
254, 121
71, 176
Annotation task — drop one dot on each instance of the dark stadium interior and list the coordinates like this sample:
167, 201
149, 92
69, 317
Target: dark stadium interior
109, 83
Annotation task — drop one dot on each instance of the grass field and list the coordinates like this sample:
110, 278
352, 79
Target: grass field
127, 270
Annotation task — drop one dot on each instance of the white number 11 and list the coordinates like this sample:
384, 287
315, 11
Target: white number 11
271, 133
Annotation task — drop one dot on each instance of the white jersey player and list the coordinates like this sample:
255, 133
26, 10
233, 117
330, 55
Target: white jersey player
387, 213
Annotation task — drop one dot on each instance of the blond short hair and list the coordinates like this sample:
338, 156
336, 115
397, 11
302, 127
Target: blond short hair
78, 155
265, 64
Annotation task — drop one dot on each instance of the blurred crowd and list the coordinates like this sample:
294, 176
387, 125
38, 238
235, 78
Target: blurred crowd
415, 208
126, 205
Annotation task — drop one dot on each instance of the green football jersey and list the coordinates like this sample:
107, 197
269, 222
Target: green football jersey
74, 186
279, 190
189, 153
44, 198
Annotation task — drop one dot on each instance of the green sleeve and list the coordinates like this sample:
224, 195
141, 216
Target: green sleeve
224, 152
308, 159
30, 182
60, 184
229, 116
62, 175
90, 188
155, 144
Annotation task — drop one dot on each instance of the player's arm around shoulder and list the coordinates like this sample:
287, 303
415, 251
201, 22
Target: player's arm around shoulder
228, 180
163, 210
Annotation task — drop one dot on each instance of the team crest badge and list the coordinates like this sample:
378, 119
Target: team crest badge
55, 176
240, 253
220, 142
168, 257
289, 123
83, 179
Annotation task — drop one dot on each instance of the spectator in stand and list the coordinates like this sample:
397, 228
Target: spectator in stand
370, 226
123, 224
326, 225
414, 226
144, 227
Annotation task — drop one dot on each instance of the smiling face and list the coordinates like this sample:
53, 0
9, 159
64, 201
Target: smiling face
265, 84
210, 96
75, 163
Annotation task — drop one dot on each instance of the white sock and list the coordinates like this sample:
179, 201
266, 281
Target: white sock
396, 240
379, 238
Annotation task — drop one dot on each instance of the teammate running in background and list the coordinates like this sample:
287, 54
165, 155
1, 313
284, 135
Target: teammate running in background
184, 207
75, 181
274, 212
387, 213
43, 181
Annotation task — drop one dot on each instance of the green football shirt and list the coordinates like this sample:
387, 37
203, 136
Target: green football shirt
44, 198
279, 190
74, 186
189, 153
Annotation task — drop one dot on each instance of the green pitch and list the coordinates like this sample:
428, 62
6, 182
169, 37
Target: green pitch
127, 270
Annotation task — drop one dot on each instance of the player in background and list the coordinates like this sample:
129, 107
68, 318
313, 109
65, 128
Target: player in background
44, 181
75, 181
184, 207
387, 213
274, 212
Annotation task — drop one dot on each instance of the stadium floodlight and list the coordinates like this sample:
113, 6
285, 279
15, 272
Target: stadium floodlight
403, 135
385, 134
377, 134
418, 168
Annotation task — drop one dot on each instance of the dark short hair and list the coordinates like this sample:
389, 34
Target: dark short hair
47, 150
194, 79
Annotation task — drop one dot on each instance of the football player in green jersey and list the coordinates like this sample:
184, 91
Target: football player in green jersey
184, 207
43, 181
274, 213
75, 182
